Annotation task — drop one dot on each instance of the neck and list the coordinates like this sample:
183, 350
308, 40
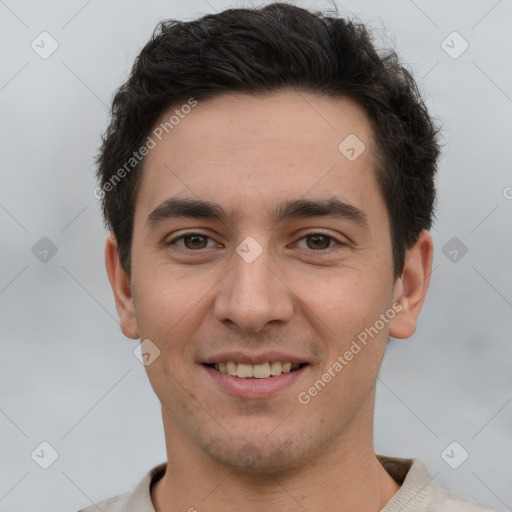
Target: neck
347, 475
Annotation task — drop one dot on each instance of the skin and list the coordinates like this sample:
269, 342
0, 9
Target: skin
248, 154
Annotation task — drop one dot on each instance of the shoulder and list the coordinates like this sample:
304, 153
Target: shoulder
444, 500
139, 500
419, 492
116, 504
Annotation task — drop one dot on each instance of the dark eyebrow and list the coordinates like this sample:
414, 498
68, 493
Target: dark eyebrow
175, 208
320, 208
299, 208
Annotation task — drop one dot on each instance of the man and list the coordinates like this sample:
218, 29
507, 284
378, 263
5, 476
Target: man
267, 179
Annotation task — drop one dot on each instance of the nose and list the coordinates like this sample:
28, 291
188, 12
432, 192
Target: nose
252, 295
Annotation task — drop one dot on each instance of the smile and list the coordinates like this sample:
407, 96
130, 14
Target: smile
256, 371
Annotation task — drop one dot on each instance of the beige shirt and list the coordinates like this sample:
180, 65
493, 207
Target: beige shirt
418, 492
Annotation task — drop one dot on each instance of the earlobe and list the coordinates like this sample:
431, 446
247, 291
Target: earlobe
121, 288
411, 288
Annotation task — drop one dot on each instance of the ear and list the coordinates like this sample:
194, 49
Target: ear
120, 284
411, 288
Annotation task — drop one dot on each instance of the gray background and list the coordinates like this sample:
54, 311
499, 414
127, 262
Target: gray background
69, 377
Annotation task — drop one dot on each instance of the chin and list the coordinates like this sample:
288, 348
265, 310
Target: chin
253, 457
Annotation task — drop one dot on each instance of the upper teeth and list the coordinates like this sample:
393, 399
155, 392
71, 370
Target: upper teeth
258, 371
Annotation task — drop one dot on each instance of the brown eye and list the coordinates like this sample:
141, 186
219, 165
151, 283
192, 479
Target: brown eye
191, 241
195, 241
318, 241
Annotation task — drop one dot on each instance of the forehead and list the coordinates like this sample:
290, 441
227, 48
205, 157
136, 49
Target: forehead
251, 152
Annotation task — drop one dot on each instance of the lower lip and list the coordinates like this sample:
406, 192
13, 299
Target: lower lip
255, 388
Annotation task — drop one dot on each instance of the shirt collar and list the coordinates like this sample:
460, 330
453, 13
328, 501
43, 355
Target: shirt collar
411, 474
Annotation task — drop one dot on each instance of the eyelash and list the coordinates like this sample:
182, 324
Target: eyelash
308, 234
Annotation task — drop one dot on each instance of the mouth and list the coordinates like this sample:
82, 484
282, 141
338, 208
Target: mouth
262, 376
264, 370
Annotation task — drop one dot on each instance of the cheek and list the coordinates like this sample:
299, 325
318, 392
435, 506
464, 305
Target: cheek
159, 303
170, 307
345, 298
345, 312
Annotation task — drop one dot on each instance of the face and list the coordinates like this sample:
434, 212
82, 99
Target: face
258, 243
